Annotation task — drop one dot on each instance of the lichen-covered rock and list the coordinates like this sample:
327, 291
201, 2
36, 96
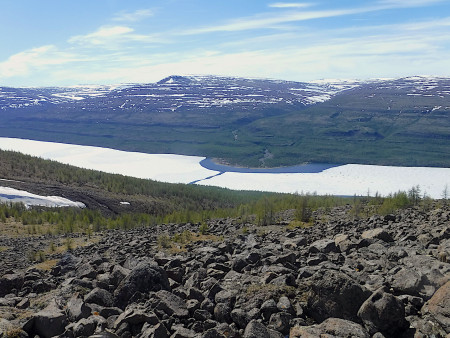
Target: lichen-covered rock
331, 327
334, 294
143, 278
437, 309
382, 312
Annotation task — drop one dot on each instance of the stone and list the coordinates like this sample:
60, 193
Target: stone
240, 317
323, 246
135, 317
383, 312
331, 327
238, 264
437, 308
100, 297
182, 332
378, 233
85, 327
335, 295
76, 309
172, 304
10, 282
48, 322
145, 277
157, 331
284, 304
280, 322
268, 308
23, 304
255, 329
222, 313
86, 270
118, 274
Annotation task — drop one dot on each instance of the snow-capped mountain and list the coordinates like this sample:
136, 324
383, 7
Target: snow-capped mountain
193, 92
175, 92
246, 121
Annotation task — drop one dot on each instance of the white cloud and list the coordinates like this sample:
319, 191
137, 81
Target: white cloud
290, 5
102, 35
272, 20
23, 63
137, 15
111, 37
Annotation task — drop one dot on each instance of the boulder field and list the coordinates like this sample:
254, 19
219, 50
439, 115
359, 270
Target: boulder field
380, 276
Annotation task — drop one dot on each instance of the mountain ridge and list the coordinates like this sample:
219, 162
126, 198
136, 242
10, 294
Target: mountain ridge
402, 121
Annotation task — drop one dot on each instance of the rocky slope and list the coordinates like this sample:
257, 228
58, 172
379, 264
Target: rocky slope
343, 277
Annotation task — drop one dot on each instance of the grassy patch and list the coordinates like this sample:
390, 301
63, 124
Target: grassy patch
46, 265
299, 224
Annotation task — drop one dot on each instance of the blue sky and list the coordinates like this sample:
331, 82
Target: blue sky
55, 42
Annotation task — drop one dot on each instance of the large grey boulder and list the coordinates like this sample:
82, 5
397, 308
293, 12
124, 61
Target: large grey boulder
382, 312
378, 233
100, 297
76, 309
331, 327
323, 246
135, 316
256, 329
48, 322
145, 277
437, 309
10, 282
335, 295
172, 304
157, 331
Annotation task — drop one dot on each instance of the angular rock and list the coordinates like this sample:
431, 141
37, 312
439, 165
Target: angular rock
118, 274
172, 304
47, 323
382, 312
323, 246
135, 317
378, 233
182, 332
280, 322
143, 278
10, 282
222, 313
76, 309
157, 331
100, 297
331, 327
335, 295
85, 327
437, 308
240, 317
255, 329
86, 270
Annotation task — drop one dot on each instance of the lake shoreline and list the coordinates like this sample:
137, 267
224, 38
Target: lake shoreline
310, 168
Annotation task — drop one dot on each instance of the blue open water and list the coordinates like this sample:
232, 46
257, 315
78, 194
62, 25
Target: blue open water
303, 168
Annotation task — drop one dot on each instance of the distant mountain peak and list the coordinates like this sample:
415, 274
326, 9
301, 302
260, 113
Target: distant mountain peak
175, 79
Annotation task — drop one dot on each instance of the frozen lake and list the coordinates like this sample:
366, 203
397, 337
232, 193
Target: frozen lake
348, 179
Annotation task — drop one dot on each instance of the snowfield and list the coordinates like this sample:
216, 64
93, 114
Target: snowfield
347, 179
29, 199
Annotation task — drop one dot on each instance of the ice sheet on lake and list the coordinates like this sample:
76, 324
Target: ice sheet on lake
161, 167
347, 179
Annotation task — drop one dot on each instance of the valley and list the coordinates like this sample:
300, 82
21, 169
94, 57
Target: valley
240, 121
